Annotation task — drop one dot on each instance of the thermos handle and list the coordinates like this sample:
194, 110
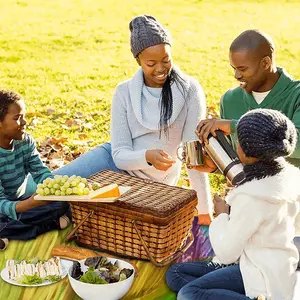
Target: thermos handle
180, 157
222, 139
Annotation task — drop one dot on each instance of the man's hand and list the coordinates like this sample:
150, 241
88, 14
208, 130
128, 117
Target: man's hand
220, 205
205, 127
159, 159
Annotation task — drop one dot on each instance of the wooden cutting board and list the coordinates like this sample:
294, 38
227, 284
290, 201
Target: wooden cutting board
86, 198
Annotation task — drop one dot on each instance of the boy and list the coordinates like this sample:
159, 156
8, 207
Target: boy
22, 217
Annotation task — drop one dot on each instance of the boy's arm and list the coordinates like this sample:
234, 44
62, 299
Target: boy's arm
230, 234
7, 207
37, 169
29, 203
11, 208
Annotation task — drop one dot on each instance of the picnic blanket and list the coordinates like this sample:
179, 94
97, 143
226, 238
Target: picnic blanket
148, 285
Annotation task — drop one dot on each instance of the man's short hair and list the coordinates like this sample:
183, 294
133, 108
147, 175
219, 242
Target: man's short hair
254, 40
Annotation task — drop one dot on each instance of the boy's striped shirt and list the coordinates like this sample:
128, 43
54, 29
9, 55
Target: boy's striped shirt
15, 165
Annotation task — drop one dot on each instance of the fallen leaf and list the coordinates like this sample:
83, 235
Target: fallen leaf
73, 122
56, 163
70, 123
56, 155
79, 143
33, 114
87, 125
79, 115
59, 140
57, 147
45, 143
35, 121
83, 136
50, 111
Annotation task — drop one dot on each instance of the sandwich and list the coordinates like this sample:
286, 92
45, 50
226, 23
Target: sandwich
43, 269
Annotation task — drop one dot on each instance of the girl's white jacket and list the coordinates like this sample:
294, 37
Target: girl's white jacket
259, 233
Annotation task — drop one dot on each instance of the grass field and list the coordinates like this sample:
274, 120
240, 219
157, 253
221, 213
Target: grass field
67, 56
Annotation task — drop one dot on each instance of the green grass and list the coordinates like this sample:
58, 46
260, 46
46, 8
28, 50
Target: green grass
69, 55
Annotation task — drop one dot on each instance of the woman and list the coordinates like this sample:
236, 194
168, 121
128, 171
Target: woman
255, 254
152, 114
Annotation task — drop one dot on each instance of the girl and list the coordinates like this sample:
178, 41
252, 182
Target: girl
152, 114
257, 237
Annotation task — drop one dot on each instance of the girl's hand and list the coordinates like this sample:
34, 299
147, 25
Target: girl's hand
220, 206
159, 159
208, 164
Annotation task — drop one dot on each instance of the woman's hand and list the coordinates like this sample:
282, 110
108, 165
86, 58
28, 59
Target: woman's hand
205, 127
220, 205
159, 159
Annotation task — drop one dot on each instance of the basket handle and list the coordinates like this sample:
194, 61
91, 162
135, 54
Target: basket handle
71, 234
172, 257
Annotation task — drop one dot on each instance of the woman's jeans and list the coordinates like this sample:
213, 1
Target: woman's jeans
91, 162
206, 280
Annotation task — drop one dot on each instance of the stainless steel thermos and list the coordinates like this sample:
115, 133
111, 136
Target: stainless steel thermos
226, 159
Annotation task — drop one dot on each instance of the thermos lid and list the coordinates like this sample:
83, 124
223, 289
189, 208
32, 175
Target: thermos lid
239, 178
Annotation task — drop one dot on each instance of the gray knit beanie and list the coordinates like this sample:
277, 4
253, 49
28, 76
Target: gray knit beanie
266, 133
146, 31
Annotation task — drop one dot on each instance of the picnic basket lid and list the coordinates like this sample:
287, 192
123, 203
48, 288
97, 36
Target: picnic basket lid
146, 196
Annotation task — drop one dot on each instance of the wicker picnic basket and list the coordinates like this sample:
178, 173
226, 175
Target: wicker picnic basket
151, 221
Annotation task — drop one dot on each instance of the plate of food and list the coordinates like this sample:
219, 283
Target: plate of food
76, 188
35, 272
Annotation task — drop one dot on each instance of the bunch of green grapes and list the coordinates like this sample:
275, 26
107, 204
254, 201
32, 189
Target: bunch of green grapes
63, 186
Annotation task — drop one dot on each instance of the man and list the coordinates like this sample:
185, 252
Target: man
262, 85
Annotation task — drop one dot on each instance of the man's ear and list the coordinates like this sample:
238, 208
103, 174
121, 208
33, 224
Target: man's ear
267, 62
138, 61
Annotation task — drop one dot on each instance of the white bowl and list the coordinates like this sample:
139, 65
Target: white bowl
110, 291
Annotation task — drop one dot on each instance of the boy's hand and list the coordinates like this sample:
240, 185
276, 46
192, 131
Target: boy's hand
205, 127
159, 159
37, 203
220, 205
29, 203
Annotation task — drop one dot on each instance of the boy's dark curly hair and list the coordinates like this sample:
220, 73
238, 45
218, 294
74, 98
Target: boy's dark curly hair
7, 98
